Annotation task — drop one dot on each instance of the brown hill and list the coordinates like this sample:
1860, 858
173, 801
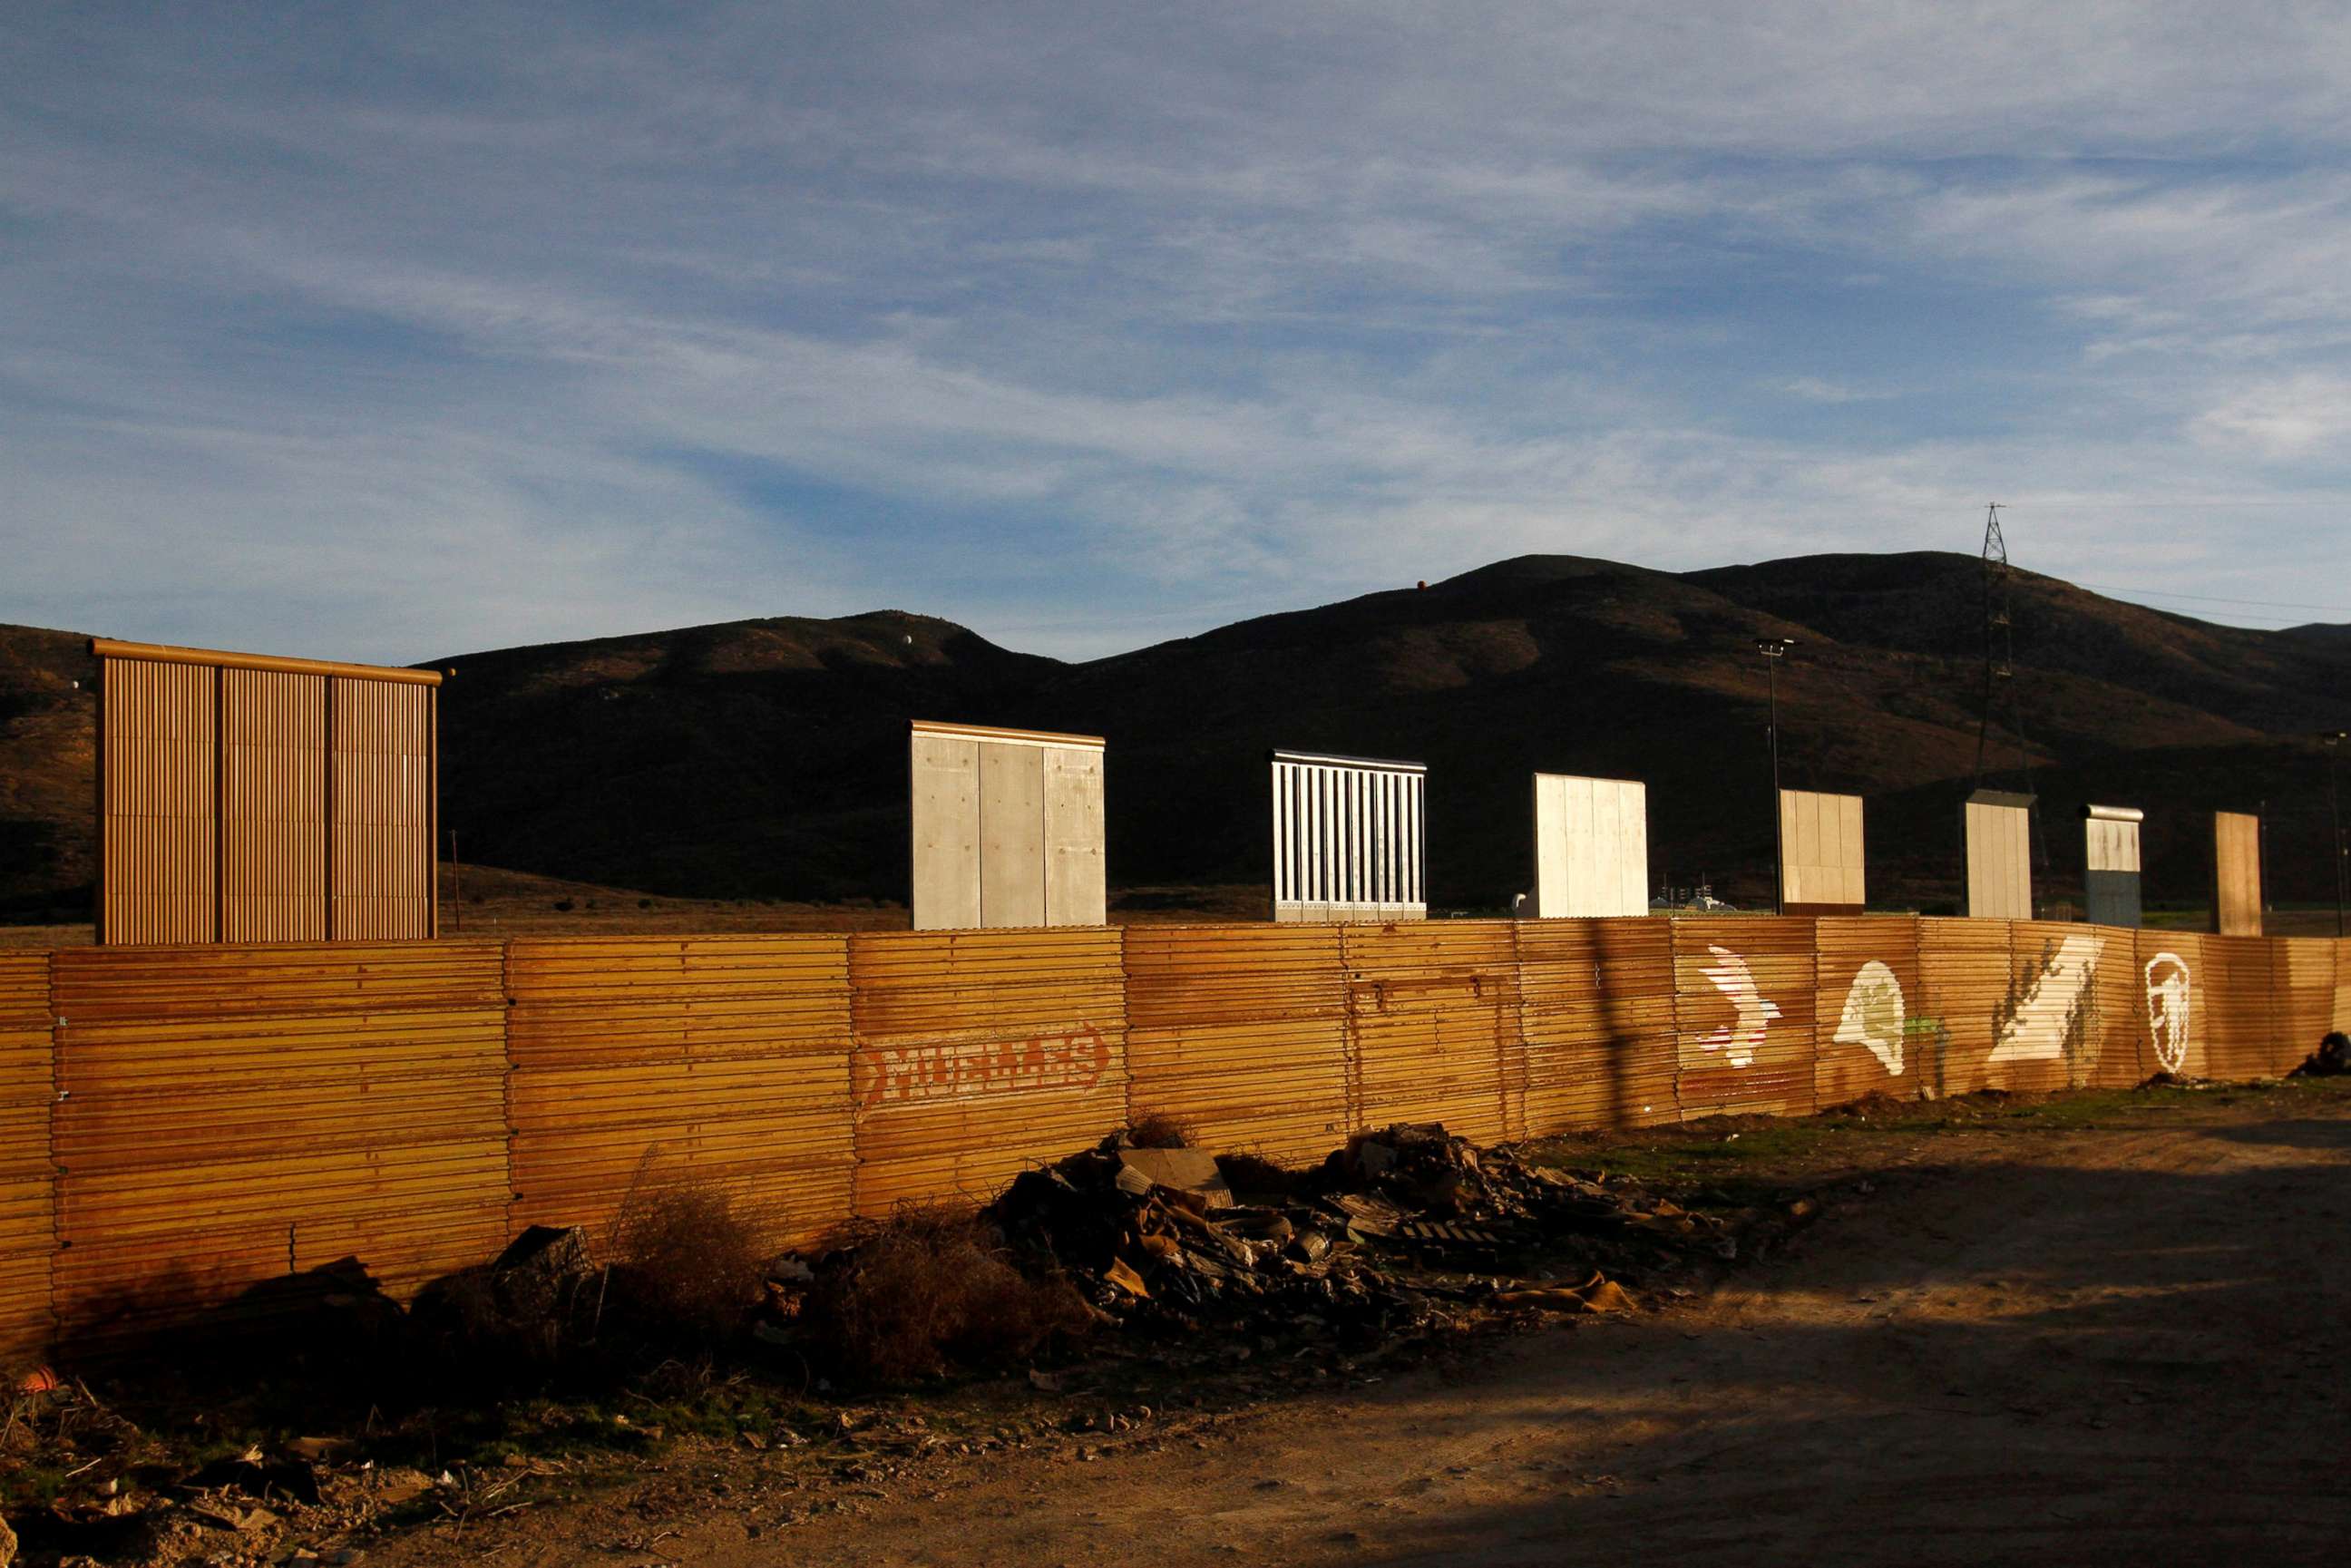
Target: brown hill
766, 758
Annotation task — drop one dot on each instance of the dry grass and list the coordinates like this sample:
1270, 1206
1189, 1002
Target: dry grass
1162, 1130
930, 1289
686, 1262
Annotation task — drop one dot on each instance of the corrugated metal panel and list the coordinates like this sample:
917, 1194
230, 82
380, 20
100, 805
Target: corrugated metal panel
2050, 1026
233, 1114
978, 1054
159, 776
1433, 1010
28, 1234
1596, 1014
2120, 1055
381, 797
2304, 967
1866, 1004
274, 806
1743, 1015
1242, 1031
2172, 1002
2343, 986
2241, 1014
644, 1060
1963, 981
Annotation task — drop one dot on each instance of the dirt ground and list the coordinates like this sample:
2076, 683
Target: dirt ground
2113, 1332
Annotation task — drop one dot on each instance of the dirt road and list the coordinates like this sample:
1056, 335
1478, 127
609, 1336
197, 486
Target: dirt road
2079, 1347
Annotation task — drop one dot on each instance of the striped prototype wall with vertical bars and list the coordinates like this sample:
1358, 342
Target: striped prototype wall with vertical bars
1349, 838
184, 1129
246, 799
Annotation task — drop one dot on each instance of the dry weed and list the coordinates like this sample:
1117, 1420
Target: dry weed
928, 1289
686, 1262
1162, 1130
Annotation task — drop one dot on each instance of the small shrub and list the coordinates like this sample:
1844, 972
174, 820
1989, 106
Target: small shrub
1256, 1175
929, 1288
686, 1262
645, 904
562, 906
1161, 1130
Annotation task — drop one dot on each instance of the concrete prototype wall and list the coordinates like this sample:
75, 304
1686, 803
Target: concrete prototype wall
1007, 828
1591, 846
1820, 842
181, 1128
2000, 861
2236, 874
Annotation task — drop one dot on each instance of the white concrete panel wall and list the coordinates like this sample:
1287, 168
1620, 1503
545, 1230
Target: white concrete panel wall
1008, 829
1347, 842
946, 832
2000, 861
1820, 840
1591, 846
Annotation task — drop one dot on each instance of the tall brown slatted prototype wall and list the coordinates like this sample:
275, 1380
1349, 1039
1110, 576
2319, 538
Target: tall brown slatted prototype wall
246, 799
182, 1128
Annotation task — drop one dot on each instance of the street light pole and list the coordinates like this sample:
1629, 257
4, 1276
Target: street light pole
2334, 741
1773, 650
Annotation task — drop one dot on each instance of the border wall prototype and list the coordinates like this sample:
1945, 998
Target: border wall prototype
1998, 828
2236, 874
182, 1129
1823, 866
1349, 838
1591, 846
1008, 827
249, 799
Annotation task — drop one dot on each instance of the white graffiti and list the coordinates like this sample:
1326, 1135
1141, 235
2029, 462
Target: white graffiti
1874, 1015
2169, 990
1736, 1040
2036, 1031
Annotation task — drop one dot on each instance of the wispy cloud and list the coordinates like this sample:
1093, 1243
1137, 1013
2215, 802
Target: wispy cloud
389, 333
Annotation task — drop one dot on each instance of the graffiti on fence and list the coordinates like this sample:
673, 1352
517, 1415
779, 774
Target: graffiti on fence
883, 1076
1738, 1040
2053, 1010
2169, 990
1873, 1014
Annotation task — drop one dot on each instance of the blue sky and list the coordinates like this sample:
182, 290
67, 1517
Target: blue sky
385, 332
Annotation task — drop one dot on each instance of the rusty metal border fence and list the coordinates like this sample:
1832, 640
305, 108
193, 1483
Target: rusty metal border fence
183, 1128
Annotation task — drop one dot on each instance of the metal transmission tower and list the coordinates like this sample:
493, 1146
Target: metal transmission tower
1999, 653
2000, 675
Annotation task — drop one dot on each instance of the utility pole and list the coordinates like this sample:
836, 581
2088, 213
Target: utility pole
457, 875
1773, 650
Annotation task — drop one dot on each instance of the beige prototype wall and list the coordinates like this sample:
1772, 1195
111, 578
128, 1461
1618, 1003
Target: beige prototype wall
1821, 849
2236, 874
1591, 846
2000, 861
249, 799
1007, 828
183, 1128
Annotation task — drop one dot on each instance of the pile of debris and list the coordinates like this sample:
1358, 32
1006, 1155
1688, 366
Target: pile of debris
1400, 1228
2331, 1060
